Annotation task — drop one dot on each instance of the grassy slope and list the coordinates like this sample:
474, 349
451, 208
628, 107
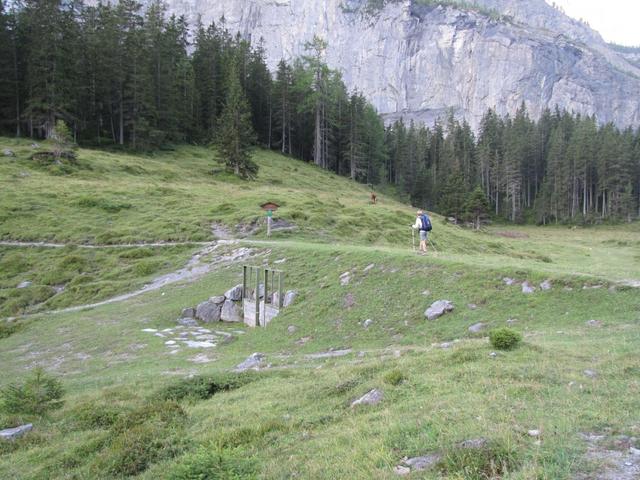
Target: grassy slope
295, 420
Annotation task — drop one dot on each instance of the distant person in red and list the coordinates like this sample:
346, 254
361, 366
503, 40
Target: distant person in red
373, 198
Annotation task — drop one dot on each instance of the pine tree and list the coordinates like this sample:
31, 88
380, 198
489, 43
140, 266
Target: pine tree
476, 207
235, 135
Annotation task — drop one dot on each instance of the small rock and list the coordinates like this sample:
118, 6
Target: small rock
372, 397
477, 327
508, 281
474, 443
252, 362
197, 344
149, 330
594, 323
170, 342
426, 293
534, 433
446, 345
234, 293
527, 287
24, 284
628, 464
634, 451
591, 287
8, 152
345, 278
367, 323
349, 301
493, 354
218, 299
369, 267
568, 289
546, 285
401, 470
511, 321
424, 462
13, 433
472, 306
291, 329
188, 312
437, 309
282, 260
187, 322
590, 373
289, 298
35, 145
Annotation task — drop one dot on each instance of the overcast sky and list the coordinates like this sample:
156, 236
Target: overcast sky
616, 20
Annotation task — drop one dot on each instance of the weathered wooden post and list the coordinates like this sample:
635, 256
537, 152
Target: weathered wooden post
257, 297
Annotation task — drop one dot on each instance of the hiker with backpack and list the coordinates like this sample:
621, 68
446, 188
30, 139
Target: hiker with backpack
423, 225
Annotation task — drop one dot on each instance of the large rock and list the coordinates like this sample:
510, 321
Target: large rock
188, 312
527, 287
372, 397
253, 362
423, 463
289, 297
13, 433
208, 312
218, 299
234, 293
437, 309
231, 312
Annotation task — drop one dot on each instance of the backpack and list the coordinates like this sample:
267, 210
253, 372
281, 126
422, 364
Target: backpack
426, 223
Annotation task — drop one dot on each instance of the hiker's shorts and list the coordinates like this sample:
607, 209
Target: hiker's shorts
423, 235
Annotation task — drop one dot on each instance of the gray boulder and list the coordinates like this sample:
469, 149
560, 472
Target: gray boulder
291, 329
345, 278
208, 312
594, 323
217, 299
437, 309
546, 285
477, 327
508, 281
231, 312
372, 397
8, 152
188, 312
474, 443
24, 284
289, 298
252, 362
234, 293
367, 323
527, 287
13, 433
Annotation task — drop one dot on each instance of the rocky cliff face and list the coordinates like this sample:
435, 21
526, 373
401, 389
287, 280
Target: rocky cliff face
422, 61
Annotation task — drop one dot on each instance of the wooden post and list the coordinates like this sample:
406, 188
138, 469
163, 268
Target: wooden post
244, 282
257, 297
280, 290
266, 292
268, 226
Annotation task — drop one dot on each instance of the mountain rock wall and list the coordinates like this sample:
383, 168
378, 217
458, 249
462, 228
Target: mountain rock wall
423, 61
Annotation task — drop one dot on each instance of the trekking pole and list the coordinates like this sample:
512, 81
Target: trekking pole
413, 239
433, 246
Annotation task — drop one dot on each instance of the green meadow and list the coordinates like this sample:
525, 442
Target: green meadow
137, 407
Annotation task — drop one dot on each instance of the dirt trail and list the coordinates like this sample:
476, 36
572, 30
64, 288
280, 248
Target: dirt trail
201, 263
96, 246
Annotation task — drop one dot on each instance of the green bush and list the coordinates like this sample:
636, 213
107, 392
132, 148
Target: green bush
9, 328
394, 377
92, 415
493, 460
39, 393
147, 267
203, 387
211, 463
504, 338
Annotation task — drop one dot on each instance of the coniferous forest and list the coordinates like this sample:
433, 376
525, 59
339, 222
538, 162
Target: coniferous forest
120, 75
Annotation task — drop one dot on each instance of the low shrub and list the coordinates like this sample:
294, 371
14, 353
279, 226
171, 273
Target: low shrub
492, 460
464, 355
147, 267
504, 338
211, 463
394, 377
8, 328
39, 393
92, 415
204, 386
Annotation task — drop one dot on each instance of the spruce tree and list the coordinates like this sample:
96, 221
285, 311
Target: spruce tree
235, 135
476, 207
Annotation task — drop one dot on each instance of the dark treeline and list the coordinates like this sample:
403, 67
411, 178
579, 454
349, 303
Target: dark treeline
120, 74
561, 168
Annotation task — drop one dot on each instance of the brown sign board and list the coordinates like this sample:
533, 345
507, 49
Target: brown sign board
270, 206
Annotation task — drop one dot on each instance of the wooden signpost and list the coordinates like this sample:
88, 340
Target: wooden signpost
269, 208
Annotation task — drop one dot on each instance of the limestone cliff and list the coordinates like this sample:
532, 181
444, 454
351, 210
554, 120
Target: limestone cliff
421, 59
